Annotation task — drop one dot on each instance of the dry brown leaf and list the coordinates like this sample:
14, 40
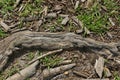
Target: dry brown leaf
77, 4
99, 66
65, 20
58, 7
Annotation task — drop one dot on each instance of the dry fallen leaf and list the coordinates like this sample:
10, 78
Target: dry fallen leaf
65, 20
77, 4
58, 7
99, 65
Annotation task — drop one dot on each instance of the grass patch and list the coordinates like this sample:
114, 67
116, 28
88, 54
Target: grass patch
96, 19
30, 56
6, 6
116, 76
51, 61
31, 8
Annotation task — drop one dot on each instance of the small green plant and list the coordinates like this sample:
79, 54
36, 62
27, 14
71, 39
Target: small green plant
2, 33
52, 28
12, 71
59, 20
2, 76
30, 56
31, 9
51, 61
116, 76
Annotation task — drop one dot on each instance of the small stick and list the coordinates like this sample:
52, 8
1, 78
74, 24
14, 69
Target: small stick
5, 26
44, 55
63, 15
14, 25
111, 21
65, 62
80, 74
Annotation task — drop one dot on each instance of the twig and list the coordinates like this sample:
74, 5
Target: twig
111, 21
65, 62
18, 30
44, 55
5, 26
14, 25
80, 74
63, 15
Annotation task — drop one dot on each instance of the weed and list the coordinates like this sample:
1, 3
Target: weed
2, 33
51, 61
59, 20
12, 71
30, 56
52, 28
2, 77
116, 76
110, 5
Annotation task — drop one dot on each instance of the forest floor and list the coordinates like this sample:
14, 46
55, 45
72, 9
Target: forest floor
96, 19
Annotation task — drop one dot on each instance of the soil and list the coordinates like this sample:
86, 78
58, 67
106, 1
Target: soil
85, 60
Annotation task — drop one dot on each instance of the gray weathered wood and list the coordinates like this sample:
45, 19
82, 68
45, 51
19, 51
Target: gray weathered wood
50, 41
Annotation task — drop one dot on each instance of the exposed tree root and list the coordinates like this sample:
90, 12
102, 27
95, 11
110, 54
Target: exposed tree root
50, 41
48, 73
25, 73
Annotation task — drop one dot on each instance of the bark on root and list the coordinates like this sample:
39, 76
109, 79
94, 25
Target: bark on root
50, 41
